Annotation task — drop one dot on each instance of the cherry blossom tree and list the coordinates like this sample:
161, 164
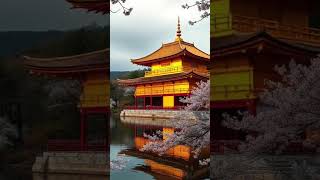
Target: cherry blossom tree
63, 92
286, 110
193, 133
290, 108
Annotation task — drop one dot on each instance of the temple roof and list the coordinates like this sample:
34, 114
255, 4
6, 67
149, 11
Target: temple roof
239, 41
172, 50
98, 6
164, 78
93, 61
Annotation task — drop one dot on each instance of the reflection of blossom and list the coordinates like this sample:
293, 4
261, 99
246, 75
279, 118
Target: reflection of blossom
193, 133
233, 166
119, 163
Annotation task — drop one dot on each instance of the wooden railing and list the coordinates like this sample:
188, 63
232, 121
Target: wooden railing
220, 23
154, 107
163, 91
276, 29
170, 70
163, 71
229, 92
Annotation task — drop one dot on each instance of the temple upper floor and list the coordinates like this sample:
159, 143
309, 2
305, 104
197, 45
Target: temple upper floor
174, 57
289, 20
175, 66
91, 69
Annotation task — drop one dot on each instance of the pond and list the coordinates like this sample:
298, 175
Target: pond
127, 138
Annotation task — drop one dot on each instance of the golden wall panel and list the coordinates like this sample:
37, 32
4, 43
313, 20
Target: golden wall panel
232, 85
176, 87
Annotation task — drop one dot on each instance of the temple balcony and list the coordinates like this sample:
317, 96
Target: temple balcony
222, 25
162, 91
164, 71
232, 92
170, 70
153, 107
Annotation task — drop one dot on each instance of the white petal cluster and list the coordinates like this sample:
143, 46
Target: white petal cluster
291, 107
119, 163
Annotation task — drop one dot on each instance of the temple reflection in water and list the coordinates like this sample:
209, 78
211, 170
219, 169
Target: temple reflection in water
178, 162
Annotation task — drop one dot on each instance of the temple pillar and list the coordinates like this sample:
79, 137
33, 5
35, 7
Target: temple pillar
135, 102
107, 132
82, 127
252, 107
85, 130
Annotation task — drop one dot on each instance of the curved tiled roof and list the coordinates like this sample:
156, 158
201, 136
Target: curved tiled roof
169, 50
93, 61
98, 6
164, 78
237, 41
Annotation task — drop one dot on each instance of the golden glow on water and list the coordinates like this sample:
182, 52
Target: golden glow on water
165, 169
179, 151
167, 132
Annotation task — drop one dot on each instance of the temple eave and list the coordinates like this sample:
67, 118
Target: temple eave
87, 62
62, 71
185, 53
262, 40
164, 78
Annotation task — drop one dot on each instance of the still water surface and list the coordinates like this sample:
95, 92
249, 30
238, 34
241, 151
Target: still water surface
124, 135
122, 139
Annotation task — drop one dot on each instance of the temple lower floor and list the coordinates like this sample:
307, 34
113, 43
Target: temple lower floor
94, 132
159, 102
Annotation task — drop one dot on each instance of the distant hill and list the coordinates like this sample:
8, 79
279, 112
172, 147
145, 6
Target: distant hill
54, 43
118, 74
127, 74
14, 42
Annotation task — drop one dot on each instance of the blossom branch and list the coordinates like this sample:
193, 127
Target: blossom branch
126, 11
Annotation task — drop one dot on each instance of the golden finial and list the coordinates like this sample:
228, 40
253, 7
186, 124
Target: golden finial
178, 31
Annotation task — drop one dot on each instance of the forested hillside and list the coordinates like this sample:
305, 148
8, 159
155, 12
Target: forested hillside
54, 43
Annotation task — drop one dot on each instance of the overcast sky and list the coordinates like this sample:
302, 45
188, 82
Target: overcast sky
38, 15
151, 23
